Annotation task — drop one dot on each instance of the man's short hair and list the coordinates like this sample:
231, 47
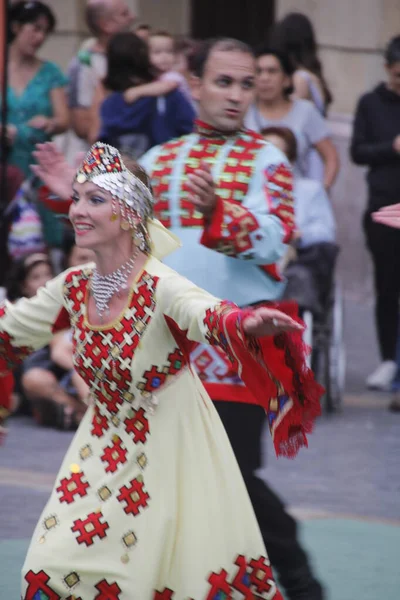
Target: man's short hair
220, 44
94, 12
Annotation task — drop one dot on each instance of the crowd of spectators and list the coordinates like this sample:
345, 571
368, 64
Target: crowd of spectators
130, 85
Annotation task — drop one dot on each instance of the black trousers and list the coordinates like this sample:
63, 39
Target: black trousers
384, 245
244, 424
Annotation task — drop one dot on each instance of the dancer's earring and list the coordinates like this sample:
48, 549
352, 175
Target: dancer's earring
114, 210
125, 226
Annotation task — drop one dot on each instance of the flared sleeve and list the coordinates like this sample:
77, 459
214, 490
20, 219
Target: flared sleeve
273, 368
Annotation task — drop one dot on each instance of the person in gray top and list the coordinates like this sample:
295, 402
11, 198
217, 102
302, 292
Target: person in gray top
317, 156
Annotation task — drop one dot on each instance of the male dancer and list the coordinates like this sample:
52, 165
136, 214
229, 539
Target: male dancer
227, 195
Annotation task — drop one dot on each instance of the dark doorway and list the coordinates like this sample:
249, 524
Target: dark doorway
246, 20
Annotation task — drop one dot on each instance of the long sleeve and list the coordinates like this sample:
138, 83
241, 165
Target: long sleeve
258, 228
273, 368
29, 325
365, 149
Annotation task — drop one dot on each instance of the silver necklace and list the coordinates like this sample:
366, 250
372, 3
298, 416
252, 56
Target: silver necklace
104, 287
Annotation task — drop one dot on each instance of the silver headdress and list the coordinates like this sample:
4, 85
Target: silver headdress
103, 165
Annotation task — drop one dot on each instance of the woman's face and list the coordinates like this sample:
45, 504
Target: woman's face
271, 80
30, 36
37, 277
91, 214
393, 72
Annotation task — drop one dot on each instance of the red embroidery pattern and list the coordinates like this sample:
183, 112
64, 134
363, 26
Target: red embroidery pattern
114, 455
90, 528
155, 378
279, 189
233, 182
253, 579
238, 224
219, 585
37, 583
103, 357
241, 579
262, 579
107, 591
10, 354
160, 179
165, 595
100, 161
135, 496
214, 329
99, 423
138, 426
72, 486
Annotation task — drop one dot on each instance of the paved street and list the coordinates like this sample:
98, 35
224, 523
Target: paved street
350, 471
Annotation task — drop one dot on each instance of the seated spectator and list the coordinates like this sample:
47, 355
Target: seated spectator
61, 346
134, 128
310, 275
37, 104
39, 385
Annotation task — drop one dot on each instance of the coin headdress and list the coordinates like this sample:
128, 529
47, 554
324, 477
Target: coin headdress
104, 166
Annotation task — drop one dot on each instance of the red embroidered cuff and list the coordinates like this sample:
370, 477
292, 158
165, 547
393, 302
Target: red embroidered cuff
212, 233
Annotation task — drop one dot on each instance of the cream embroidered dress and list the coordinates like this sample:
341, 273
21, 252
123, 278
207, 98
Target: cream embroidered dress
149, 502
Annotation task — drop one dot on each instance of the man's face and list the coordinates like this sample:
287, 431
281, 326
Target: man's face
393, 72
226, 89
119, 17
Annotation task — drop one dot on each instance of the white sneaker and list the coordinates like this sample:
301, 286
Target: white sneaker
383, 376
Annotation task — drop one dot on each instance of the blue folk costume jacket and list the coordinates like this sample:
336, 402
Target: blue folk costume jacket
235, 254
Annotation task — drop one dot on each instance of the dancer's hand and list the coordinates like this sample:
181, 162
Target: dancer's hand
202, 189
388, 215
268, 321
53, 169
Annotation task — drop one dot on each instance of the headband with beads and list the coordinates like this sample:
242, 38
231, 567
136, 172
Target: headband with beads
103, 166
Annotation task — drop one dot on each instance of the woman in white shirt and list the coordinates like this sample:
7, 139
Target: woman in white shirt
274, 106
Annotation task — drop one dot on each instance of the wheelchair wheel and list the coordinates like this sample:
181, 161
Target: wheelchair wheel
337, 354
328, 358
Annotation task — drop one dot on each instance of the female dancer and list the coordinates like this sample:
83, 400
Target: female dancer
149, 501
